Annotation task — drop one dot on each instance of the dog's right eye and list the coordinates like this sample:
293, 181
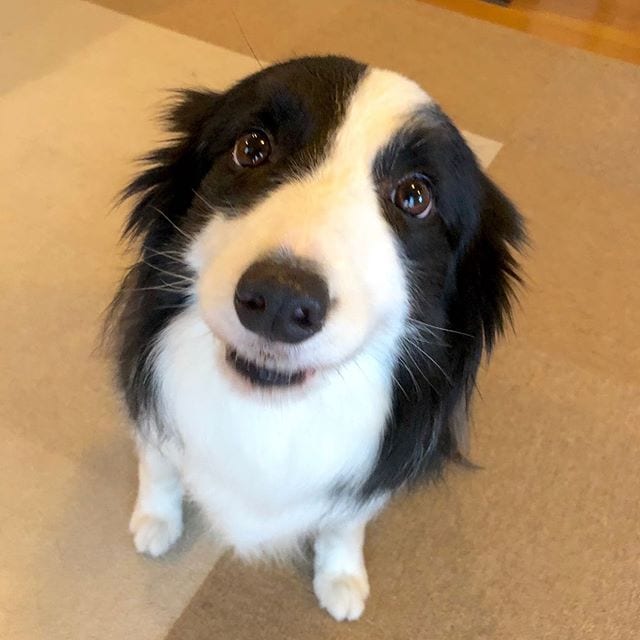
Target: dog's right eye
252, 149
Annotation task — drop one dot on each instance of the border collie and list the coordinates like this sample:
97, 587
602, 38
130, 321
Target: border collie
321, 266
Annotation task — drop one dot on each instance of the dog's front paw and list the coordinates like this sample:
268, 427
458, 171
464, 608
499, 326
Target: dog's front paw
154, 535
343, 595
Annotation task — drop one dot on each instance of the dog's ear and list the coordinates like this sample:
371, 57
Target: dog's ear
487, 271
166, 187
189, 110
432, 391
145, 301
481, 300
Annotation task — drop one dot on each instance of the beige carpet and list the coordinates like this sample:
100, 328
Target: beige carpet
542, 543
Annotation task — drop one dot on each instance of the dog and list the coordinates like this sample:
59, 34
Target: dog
321, 266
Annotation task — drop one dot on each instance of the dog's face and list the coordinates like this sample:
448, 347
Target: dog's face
299, 266
333, 201
318, 210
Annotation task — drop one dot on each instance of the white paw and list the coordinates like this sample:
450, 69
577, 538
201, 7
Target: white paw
343, 596
154, 535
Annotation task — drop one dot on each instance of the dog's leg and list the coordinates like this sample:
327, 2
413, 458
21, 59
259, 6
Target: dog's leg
156, 522
340, 577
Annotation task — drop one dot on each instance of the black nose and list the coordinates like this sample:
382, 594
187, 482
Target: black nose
281, 301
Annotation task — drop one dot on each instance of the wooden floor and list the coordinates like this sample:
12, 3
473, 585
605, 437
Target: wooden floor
607, 27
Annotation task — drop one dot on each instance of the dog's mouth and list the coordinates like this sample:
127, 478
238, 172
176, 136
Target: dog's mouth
262, 376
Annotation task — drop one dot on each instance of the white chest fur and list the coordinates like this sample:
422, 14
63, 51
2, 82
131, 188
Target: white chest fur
263, 468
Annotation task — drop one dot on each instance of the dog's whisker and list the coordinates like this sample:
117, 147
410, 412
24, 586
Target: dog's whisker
410, 372
231, 207
420, 370
188, 286
433, 326
173, 224
417, 333
177, 276
244, 37
384, 362
418, 338
431, 358
174, 255
399, 384
203, 199
168, 288
226, 209
418, 330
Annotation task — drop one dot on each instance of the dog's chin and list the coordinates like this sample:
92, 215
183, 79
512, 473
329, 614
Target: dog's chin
262, 376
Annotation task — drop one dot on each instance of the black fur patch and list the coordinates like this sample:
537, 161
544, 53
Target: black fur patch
461, 267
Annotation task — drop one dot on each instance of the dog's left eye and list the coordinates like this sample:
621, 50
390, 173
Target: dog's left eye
413, 195
252, 149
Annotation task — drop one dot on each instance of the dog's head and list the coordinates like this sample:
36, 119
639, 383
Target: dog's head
320, 209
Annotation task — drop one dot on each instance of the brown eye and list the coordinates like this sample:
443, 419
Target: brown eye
413, 195
252, 149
